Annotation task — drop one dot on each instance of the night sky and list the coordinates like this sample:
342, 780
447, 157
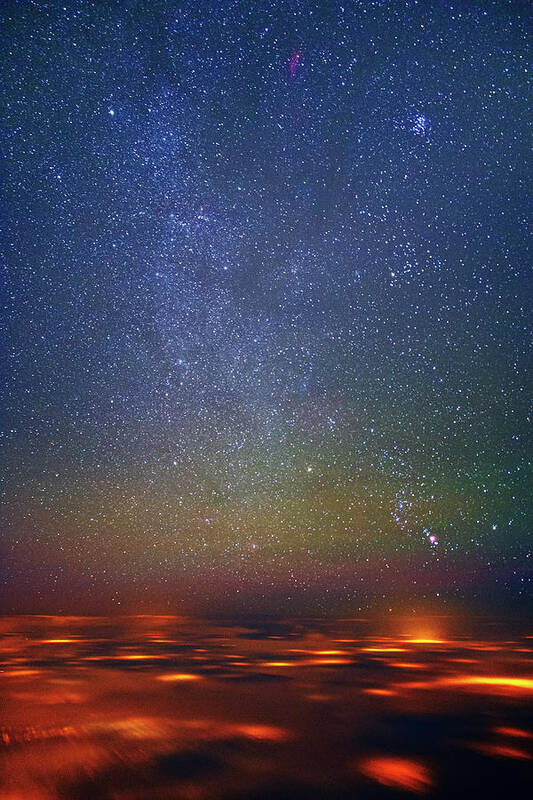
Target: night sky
268, 303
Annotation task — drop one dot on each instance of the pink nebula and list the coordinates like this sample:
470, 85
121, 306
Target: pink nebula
293, 62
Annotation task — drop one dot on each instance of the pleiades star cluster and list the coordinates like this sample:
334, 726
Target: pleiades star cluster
267, 307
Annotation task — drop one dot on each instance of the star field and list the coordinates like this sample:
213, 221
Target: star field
268, 304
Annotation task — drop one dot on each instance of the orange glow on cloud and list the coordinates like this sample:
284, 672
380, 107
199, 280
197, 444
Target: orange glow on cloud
58, 641
138, 657
427, 641
329, 652
398, 773
502, 751
108, 701
499, 681
137, 727
502, 683
263, 732
19, 673
519, 733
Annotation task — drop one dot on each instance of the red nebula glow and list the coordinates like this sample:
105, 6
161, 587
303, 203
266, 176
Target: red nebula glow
293, 62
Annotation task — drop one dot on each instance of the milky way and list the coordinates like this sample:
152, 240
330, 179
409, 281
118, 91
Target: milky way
268, 304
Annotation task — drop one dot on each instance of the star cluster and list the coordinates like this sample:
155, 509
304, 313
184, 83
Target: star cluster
268, 303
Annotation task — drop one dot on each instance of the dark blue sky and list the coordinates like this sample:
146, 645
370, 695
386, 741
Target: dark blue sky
268, 304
